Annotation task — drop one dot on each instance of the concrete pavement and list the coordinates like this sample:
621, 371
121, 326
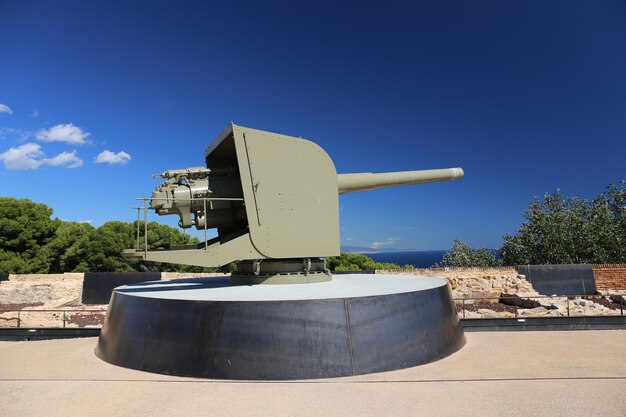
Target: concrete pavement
495, 374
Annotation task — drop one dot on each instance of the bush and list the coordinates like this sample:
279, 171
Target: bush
25, 230
356, 262
32, 242
463, 255
564, 230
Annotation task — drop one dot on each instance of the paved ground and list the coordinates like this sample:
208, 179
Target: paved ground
579, 373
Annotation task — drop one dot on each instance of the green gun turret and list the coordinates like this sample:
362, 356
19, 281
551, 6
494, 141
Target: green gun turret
271, 198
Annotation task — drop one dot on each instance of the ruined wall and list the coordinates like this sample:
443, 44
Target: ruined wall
610, 277
476, 282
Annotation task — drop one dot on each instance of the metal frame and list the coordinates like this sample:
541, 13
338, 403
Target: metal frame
63, 318
567, 297
145, 211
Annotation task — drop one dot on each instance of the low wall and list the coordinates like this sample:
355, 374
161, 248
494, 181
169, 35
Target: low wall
610, 277
54, 290
476, 282
66, 277
527, 279
46, 290
98, 286
574, 279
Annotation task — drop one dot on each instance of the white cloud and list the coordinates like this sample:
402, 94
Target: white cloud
67, 133
65, 159
34, 114
27, 156
390, 241
5, 109
108, 157
30, 156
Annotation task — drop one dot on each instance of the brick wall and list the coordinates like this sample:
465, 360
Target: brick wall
610, 277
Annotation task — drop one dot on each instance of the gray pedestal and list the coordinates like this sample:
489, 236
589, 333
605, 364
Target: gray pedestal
211, 328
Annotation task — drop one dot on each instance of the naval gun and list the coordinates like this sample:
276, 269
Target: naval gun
274, 202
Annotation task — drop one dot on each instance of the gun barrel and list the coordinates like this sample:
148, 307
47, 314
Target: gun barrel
192, 172
349, 183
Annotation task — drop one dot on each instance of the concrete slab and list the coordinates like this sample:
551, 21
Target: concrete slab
223, 289
496, 374
211, 328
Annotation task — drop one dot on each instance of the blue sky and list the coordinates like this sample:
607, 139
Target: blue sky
526, 96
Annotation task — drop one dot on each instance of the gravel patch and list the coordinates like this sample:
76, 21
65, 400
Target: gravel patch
86, 319
17, 306
497, 307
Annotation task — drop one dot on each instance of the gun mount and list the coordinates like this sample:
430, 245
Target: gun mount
274, 202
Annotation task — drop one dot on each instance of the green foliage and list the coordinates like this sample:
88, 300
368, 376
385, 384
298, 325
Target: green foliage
100, 251
25, 228
163, 237
557, 230
67, 240
356, 262
564, 230
463, 255
32, 242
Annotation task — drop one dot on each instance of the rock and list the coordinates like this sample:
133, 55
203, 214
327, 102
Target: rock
537, 311
582, 302
486, 313
516, 300
619, 299
484, 294
23, 292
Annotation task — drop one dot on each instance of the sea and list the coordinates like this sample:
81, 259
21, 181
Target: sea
419, 259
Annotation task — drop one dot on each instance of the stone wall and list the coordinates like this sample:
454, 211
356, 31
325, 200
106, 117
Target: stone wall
465, 282
610, 277
40, 291
67, 277
476, 282
48, 290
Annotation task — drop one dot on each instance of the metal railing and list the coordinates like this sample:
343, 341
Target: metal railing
462, 306
145, 215
478, 302
65, 318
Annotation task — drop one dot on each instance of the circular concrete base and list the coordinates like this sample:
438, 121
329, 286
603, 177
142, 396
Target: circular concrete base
212, 328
